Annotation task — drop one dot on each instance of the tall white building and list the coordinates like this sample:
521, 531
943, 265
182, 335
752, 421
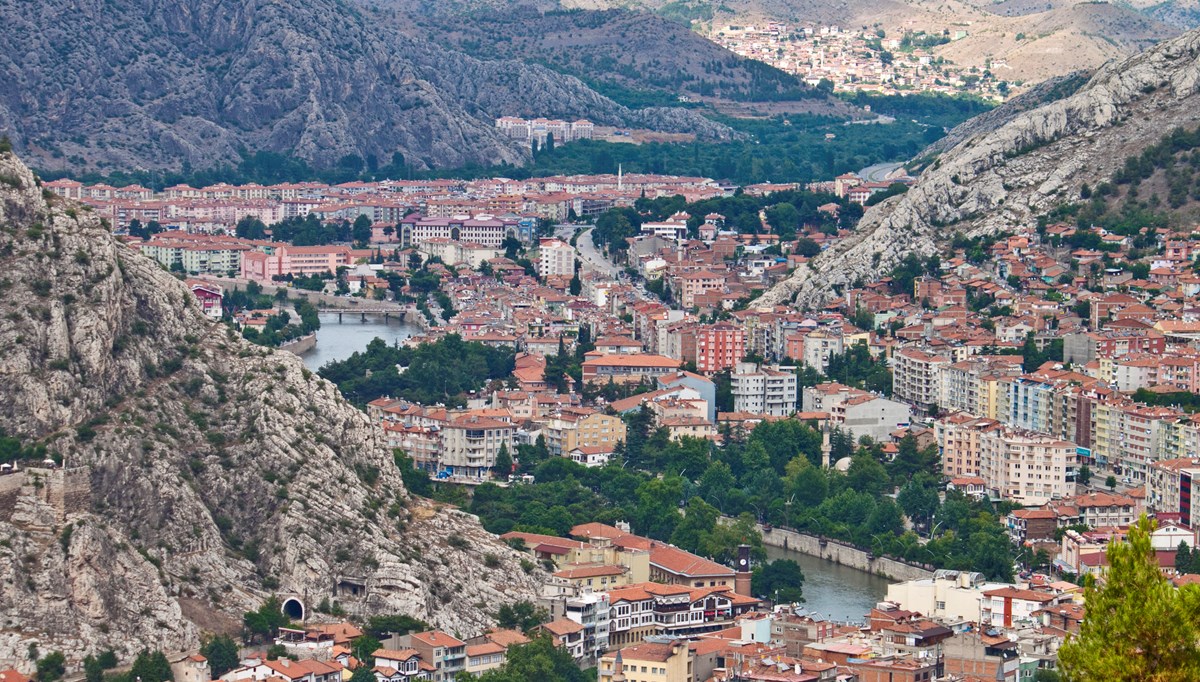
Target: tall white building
555, 258
761, 390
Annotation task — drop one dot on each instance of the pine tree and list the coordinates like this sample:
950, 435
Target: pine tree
1138, 626
503, 467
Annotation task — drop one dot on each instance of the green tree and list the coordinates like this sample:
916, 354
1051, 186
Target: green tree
1085, 474
780, 580
504, 463
537, 660
364, 647
265, 621
51, 667
361, 231
151, 666
1138, 626
1111, 482
222, 654
364, 673
521, 615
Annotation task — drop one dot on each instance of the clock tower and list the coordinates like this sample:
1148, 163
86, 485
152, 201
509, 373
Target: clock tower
741, 580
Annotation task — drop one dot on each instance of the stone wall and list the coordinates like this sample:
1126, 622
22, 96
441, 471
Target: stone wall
10, 489
844, 554
300, 345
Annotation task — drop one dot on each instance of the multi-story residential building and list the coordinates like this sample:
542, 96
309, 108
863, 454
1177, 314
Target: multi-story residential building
1130, 436
965, 385
1169, 488
591, 610
401, 665
704, 387
719, 347
959, 439
1025, 467
915, 376
1097, 510
689, 286
762, 390
859, 412
556, 258
447, 655
197, 254
470, 445
580, 427
819, 345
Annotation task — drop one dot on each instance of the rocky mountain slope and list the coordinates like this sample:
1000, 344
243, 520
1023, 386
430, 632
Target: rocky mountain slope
201, 473
632, 55
1006, 175
129, 84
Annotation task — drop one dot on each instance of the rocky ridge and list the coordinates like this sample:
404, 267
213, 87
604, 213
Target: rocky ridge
1006, 176
200, 474
133, 84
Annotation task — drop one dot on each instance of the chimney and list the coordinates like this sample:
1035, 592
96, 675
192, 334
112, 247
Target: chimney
741, 580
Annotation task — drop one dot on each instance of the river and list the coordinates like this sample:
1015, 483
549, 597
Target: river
834, 591
339, 340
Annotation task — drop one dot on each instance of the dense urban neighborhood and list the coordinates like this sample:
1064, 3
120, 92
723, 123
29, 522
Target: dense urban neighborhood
594, 380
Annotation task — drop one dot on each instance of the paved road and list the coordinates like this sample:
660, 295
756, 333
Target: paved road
878, 172
591, 257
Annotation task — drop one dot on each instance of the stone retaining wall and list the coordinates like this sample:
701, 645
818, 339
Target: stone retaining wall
844, 554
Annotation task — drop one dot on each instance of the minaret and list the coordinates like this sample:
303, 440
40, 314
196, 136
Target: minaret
741, 579
620, 178
618, 669
826, 446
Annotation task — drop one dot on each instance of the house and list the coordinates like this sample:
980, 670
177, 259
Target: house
599, 369
648, 662
447, 655
401, 665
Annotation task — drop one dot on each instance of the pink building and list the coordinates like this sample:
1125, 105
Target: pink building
719, 347
295, 260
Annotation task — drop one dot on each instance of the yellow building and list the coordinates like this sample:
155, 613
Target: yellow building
576, 427
649, 662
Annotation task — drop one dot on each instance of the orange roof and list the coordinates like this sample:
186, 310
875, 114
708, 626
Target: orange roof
437, 638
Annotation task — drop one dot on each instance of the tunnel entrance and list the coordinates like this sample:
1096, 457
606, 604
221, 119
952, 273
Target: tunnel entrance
293, 608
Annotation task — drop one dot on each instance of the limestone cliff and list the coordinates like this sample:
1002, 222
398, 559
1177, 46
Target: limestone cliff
145, 84
1007, 174
200, 474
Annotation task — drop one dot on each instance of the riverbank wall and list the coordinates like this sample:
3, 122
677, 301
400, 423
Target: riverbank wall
844, 554
301, 345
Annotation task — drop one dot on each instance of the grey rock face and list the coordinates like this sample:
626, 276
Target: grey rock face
131, 84
1006, 175
203, 473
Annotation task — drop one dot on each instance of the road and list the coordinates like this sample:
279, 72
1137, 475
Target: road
878, 172
591, 257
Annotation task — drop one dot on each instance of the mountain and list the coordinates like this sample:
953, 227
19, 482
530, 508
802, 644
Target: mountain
201, 474
1023, 164
633, 56
130, 84
1024, 41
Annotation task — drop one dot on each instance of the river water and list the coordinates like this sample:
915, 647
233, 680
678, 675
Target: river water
834, 591
339, 340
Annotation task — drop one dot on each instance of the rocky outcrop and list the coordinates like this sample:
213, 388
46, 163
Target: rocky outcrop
200, 474
1004, 177
137, 84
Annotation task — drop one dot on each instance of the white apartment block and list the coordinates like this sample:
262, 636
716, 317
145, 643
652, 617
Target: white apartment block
915, 376
539, 129
761, 390
556, 258
859, 412
470, 445
819, 345
1026, 467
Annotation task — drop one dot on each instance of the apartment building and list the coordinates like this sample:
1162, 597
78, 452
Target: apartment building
556, 258
485, 230
1169, 488
573, 428
1026, 467
762, 390
959, 438
719, 347
447, 654
648, 662
470, 445
915, 376
819, 345
969, 385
